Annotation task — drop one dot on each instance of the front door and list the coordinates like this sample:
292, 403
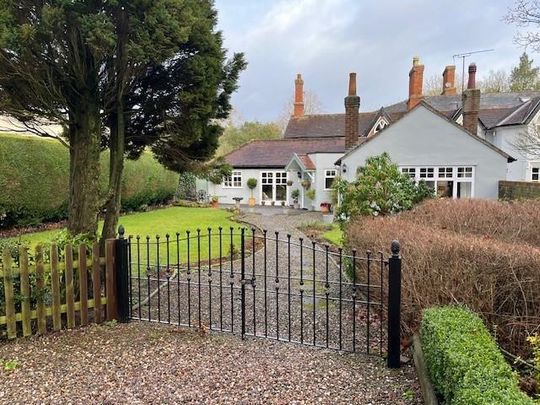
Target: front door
274, 186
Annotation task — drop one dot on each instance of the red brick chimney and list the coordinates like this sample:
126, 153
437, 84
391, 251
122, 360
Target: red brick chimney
471, 102
416, 79
449, 81
352, 107
298, 97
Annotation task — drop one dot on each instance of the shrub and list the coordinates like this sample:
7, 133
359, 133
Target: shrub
463, 360
514, 222
496, 279
34, 179
379, 189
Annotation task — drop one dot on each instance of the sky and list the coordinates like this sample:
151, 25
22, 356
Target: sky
324, 40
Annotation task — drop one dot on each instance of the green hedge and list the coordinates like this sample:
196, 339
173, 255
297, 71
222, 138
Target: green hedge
34, 178
464, 362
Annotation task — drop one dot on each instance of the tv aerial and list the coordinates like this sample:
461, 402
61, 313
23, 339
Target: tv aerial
466, 55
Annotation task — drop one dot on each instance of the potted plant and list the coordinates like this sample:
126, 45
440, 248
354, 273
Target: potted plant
263, 202
251, 183
295, 195
273, 203
311, 195
325, 207
289, 183
214, 201
283, 207
306, 184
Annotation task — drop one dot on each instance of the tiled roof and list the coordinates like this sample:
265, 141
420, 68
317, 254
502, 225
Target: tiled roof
331, 125
277, 153
307, 162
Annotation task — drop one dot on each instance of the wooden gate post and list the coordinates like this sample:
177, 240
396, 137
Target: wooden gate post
394, 306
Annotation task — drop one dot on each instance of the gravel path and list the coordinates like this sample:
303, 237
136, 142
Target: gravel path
147, 363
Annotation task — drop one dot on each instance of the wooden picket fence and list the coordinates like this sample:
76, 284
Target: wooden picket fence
55, 292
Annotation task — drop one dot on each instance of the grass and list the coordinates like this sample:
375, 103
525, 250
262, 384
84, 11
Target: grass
334, 235
162, 222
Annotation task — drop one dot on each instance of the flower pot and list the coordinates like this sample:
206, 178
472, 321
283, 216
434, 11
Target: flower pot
215, 204
251, 201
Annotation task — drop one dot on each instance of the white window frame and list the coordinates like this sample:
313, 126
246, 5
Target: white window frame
535, 172
326, 176
443, 173
275, 181
232, 181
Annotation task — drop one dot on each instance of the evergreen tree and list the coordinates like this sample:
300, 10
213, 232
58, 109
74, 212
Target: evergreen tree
524, 77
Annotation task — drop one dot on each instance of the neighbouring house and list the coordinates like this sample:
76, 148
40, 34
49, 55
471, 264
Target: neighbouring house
461, 145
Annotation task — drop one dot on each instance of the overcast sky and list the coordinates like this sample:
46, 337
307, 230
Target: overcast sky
326, 39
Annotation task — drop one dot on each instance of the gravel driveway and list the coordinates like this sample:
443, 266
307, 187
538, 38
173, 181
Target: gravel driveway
149, 363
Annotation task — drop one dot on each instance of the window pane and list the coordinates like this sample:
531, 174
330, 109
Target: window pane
267, 192
535, 173
464, 190
281, 192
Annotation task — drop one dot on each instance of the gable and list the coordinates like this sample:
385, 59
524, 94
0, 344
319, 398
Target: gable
424, 137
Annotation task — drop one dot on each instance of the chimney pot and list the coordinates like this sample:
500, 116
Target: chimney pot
471, 84
352, 84
298, 97
416, 78
352, 106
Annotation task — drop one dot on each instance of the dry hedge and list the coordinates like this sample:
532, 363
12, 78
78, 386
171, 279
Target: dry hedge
497, 279
512, 221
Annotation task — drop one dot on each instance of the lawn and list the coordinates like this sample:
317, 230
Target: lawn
162, 222
334, 235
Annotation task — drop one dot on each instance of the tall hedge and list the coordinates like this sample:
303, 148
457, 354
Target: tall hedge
34, 178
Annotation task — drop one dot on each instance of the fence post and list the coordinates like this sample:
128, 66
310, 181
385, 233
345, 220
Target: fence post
243, 281
394, 306
122, 275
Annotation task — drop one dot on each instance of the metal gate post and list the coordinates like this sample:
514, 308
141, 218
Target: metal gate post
243, 281
394, 306
122, 275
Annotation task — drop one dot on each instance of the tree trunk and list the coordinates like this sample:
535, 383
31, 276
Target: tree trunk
116, 168
84, 140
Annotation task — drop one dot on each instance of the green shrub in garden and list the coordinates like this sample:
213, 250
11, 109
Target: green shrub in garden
379, 189
464, 362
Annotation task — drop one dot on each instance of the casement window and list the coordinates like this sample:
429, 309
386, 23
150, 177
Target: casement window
464, 172
233, 181
427, 172
445, 181
409, 171
535, 174
329, 177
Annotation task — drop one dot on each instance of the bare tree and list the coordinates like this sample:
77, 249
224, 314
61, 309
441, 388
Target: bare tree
526, 14
312, 105
527, 142
496, 81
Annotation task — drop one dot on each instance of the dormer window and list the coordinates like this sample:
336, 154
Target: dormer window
380, 125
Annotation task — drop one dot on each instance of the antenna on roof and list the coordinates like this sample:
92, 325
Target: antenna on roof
466, 55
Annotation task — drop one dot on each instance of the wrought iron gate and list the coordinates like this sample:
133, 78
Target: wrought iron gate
262, 284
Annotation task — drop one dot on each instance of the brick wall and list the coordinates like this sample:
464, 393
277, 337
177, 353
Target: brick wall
515, 190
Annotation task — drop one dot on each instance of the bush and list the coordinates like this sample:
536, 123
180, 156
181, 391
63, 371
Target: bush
496, 279
463, 360
34, 180
379, 189
514, 222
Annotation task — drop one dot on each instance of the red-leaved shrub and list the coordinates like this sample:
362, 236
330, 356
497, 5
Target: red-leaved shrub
469, 261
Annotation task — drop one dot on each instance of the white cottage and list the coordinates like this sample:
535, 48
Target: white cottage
428, 146
462, 145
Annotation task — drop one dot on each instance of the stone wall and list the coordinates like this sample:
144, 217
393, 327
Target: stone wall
515, 190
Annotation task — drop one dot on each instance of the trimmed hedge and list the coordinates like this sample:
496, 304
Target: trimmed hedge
464, 362
34, 178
